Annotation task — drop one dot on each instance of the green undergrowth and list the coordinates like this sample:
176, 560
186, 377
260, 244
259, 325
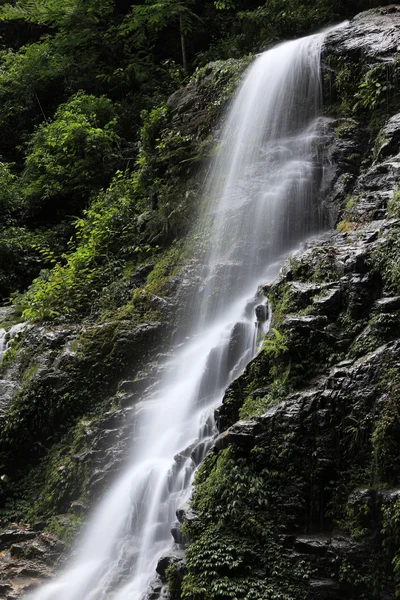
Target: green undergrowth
58, 479
234, 552
368, 94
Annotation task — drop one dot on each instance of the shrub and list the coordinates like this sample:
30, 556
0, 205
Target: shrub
71, 157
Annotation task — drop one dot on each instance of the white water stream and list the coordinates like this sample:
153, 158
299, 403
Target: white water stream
3, 343
7, 336
264, 198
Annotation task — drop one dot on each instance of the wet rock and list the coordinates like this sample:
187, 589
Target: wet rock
236, 346
316, 545
389, 139
10, 536
387, 305
190, 106
329, 302
139, 276
326, 589
185, 514
176, 533
371, 37
317, 419
166, 561
134, 387
157, 590
79, 508
305, 291
303, 321
27, 563
262, 312
7, 391
5, 588
242, 434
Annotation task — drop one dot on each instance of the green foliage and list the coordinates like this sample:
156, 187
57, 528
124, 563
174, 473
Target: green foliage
106, 236
346, 128
174, 578
275, 345
379, 88
146, 20
233, 552
10, 200
280, 19
257, 404
225, 4
22, 254
11, 352
71, 157
369, 95
56, 14
25, 78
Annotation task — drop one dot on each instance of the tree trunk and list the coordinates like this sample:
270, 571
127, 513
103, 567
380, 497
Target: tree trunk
183, 46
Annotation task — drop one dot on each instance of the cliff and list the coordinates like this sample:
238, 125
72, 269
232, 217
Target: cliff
299, 497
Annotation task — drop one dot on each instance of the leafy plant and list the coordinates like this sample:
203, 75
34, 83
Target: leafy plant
71, 157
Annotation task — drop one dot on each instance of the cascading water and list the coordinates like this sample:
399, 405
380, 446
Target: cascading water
264, 198
3, 343
7, 336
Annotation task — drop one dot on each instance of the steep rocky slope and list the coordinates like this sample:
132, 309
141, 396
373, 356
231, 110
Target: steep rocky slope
302, 499
300, 495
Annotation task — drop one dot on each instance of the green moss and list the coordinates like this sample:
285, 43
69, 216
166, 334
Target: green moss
57, 479
345, 226
258, 404
346, 128
317, 267
168, 265
65, 527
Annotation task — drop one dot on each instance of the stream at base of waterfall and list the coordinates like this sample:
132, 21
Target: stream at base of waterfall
263, 197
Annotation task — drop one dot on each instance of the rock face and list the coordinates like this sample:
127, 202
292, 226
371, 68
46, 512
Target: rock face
27, 558
373, 37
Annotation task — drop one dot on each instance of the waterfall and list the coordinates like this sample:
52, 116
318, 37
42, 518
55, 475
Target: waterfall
7, 336
263, 197
3, 343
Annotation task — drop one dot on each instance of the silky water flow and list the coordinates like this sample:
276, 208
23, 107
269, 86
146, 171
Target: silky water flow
263, 198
